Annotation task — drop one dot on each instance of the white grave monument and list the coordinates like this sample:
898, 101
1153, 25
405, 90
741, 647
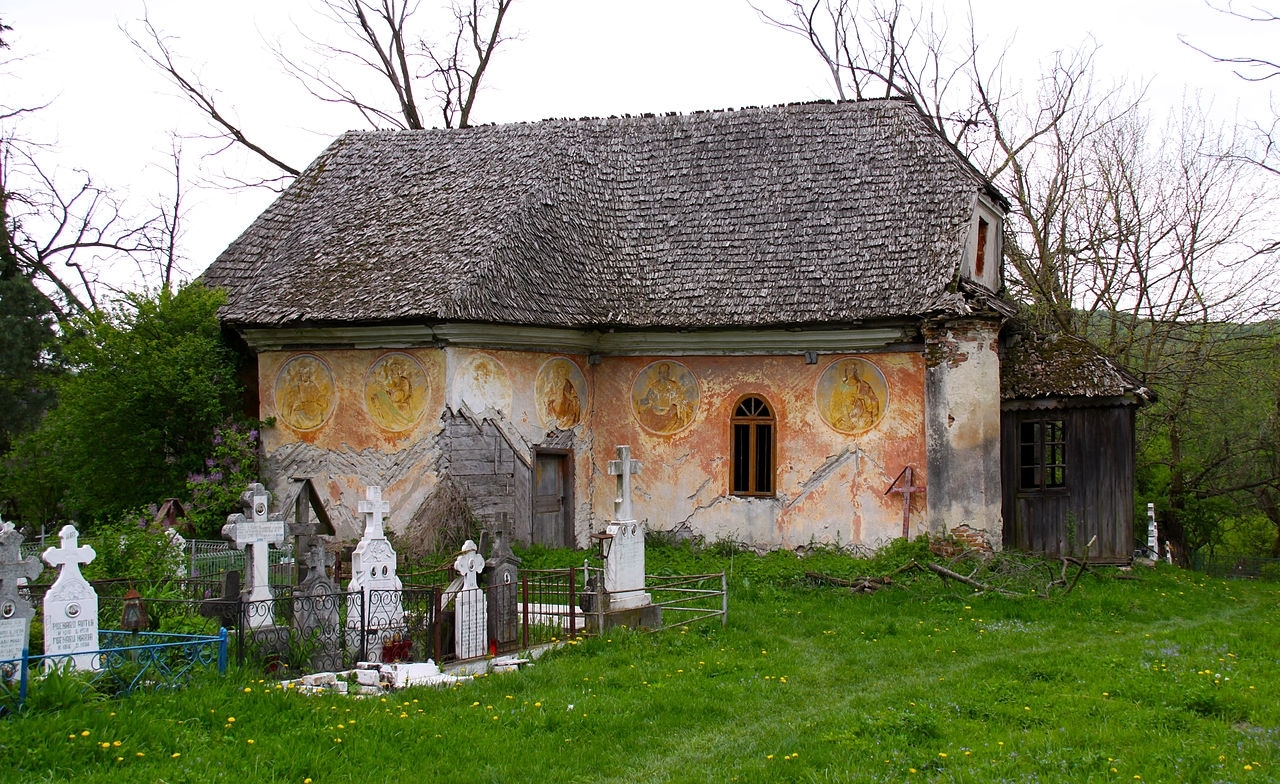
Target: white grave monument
1153, 536
624, 566
373, 568
15, 610
71, 605
257, 533
471, 605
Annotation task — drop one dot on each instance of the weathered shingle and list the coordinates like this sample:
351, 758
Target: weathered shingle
799, 214
1035, 365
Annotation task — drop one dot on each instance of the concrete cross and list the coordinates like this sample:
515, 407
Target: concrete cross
374, 510
906, 485
468, 564
70, 555
623, 468
13, 567
257, 534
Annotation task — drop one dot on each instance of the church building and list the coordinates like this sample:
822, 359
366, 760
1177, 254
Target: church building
790, 314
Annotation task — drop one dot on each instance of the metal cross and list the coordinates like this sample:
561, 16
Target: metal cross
13, 566
905, 484
623, 468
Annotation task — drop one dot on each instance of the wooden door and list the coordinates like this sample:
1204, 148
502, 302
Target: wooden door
552, 500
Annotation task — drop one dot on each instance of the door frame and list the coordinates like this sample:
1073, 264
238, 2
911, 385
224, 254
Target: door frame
567, 483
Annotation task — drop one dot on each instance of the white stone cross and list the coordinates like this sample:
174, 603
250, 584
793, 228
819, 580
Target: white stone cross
468, 564
374, 510
623, 468
257, 534
70, 604
70, 555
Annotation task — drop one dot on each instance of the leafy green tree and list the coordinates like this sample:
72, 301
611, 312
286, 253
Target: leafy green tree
150, 383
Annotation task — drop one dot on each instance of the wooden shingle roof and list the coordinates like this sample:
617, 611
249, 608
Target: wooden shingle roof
789, 215
1037, 365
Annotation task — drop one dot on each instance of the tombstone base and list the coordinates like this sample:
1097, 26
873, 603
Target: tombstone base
626, 600
646, 617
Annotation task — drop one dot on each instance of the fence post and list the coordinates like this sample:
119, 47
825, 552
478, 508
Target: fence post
437, 610
222, 650
24, 677
524, 603
573, 605
724, 599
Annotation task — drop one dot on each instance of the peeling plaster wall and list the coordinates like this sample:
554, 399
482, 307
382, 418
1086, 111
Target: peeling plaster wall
350, 449
830, 486
962, 390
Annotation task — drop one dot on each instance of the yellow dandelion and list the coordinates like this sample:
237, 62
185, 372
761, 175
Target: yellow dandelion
84, 734
768, 756
247, 690
175, 755
942, 754
249, 741
141, 754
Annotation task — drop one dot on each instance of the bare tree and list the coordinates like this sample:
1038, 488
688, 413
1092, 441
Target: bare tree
879, 48
381, 67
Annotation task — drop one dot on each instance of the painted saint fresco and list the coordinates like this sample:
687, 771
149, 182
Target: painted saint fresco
852, 395
664, 397
395, 391
561, 390
305, 392
482, 383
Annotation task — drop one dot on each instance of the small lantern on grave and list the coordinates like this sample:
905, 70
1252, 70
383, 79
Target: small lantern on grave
134, 618
604, 540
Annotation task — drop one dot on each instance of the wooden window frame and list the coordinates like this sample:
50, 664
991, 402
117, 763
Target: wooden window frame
753, 423
1042, 455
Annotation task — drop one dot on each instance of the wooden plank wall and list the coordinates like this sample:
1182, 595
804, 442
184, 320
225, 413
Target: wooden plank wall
1098, 498
493, 478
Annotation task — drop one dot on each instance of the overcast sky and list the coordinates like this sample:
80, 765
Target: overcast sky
109, 114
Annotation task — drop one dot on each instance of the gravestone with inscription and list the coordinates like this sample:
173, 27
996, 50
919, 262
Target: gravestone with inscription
470, 623
373, 576
624, 565
502, 581
315, 609
15, 610
71, 604
255, 535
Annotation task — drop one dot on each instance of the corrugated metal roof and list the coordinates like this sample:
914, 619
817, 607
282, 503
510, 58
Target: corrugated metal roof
799, 214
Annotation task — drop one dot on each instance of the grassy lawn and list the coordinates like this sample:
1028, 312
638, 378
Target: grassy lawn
1165, 677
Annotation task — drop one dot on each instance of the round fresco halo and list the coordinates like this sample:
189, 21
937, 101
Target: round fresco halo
395, 391
561, 392
852, 395
305, 392
664, 397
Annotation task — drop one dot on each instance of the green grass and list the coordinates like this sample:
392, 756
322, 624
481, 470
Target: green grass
1171, 677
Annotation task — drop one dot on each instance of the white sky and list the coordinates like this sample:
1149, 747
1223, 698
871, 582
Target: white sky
112, 116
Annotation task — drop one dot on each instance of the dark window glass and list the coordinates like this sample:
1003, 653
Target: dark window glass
1042, 454
753, 447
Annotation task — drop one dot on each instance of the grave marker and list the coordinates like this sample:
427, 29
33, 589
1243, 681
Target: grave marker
624, 566
255, 535
470, 623
70, 605
15, 610
373, 568
503, 584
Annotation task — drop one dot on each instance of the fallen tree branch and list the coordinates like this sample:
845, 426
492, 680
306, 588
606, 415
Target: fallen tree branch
947, 574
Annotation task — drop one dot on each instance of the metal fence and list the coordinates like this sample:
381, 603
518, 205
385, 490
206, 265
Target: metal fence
126, 662
1239, 566
296, 631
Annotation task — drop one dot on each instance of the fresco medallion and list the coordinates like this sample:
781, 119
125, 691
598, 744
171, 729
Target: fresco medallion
664, 397
852, 395
395, 391
561, 390
482, 383
305, 392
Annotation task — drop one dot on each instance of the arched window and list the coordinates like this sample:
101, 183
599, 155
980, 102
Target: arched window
753, 447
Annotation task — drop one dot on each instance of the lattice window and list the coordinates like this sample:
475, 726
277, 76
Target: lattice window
754, 441
1042, 454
